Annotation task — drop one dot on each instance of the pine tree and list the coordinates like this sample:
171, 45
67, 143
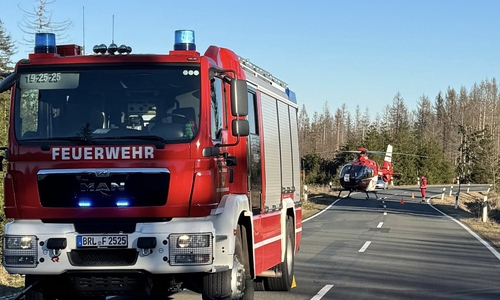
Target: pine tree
7, 49
40, 20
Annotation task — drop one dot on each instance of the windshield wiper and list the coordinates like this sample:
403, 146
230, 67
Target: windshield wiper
138, 137
80, 139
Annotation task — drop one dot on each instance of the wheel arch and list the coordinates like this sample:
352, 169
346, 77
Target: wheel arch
288, 211
233, 211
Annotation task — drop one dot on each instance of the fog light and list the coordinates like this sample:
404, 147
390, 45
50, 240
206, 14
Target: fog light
192, 259
19, 260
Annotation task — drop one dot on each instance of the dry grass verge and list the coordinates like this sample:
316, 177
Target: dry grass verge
10, 284
318, 198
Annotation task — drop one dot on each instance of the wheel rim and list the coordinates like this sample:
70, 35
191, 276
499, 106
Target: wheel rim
289, 256
237, 279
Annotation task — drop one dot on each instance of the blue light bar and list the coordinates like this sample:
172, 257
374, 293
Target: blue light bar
291, 95
122, 203
184, 40
85, 203
45, 43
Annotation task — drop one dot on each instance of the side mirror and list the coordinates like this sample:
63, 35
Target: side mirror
240, 127
239, 97
8, 82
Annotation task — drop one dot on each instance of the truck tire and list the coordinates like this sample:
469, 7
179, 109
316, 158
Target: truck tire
36, 293
230, 284
259, 284
284, 283
45, 291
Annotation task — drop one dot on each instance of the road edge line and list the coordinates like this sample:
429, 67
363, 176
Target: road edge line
480, 239
324, 209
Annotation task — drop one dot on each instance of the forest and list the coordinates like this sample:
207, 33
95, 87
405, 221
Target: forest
455, 137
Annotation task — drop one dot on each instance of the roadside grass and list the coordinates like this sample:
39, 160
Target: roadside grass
10, 283
318, 197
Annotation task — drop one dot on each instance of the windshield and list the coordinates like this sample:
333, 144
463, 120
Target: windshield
354, 171
112, 102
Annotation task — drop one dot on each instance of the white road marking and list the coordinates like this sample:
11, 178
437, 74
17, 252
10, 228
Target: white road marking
322, 292
380, 225
314, 216
385, 213
365, 246
481, 240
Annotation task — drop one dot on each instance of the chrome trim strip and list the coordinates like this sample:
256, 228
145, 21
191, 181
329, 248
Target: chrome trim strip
103, 172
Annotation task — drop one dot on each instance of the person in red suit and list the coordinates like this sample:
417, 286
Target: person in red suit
423, 187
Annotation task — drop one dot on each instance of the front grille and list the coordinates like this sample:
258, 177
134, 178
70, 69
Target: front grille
105, 227
115, 284
103, 187
103, 257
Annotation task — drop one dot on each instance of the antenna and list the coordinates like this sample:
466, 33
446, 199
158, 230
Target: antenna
113, 31
83, 30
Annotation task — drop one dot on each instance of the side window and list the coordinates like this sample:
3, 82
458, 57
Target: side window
252, 113
216, 107
29, 109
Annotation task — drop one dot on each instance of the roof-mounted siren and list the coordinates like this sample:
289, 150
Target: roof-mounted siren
45, 43
184, 40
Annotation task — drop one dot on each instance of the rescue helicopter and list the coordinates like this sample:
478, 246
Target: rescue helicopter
362, 173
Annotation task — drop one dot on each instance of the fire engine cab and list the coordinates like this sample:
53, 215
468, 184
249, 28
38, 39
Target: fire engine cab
139, 174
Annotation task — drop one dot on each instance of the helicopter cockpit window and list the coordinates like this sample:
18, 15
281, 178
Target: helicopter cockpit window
345, 169
359, 172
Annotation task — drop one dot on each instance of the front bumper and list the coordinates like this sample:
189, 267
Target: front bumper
174, 250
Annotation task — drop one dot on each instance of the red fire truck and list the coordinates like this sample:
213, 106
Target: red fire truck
134, 174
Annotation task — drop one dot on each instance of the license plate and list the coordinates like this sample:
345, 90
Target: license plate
83, 241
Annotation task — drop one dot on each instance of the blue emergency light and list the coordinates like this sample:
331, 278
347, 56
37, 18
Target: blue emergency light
122, 203
84, 203
45, 43
184, 40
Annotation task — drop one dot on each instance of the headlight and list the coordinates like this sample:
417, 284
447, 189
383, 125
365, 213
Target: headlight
193, 241
183, 241
19, 242
20, 251
191, 249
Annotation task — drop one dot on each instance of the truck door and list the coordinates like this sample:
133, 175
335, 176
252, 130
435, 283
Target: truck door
254, 157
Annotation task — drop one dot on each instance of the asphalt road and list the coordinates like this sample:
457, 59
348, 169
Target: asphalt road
381, 249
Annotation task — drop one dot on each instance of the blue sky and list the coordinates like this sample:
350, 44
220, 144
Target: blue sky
354, 52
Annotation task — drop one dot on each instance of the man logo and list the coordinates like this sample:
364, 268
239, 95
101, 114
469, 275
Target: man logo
102, 173
102, 187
